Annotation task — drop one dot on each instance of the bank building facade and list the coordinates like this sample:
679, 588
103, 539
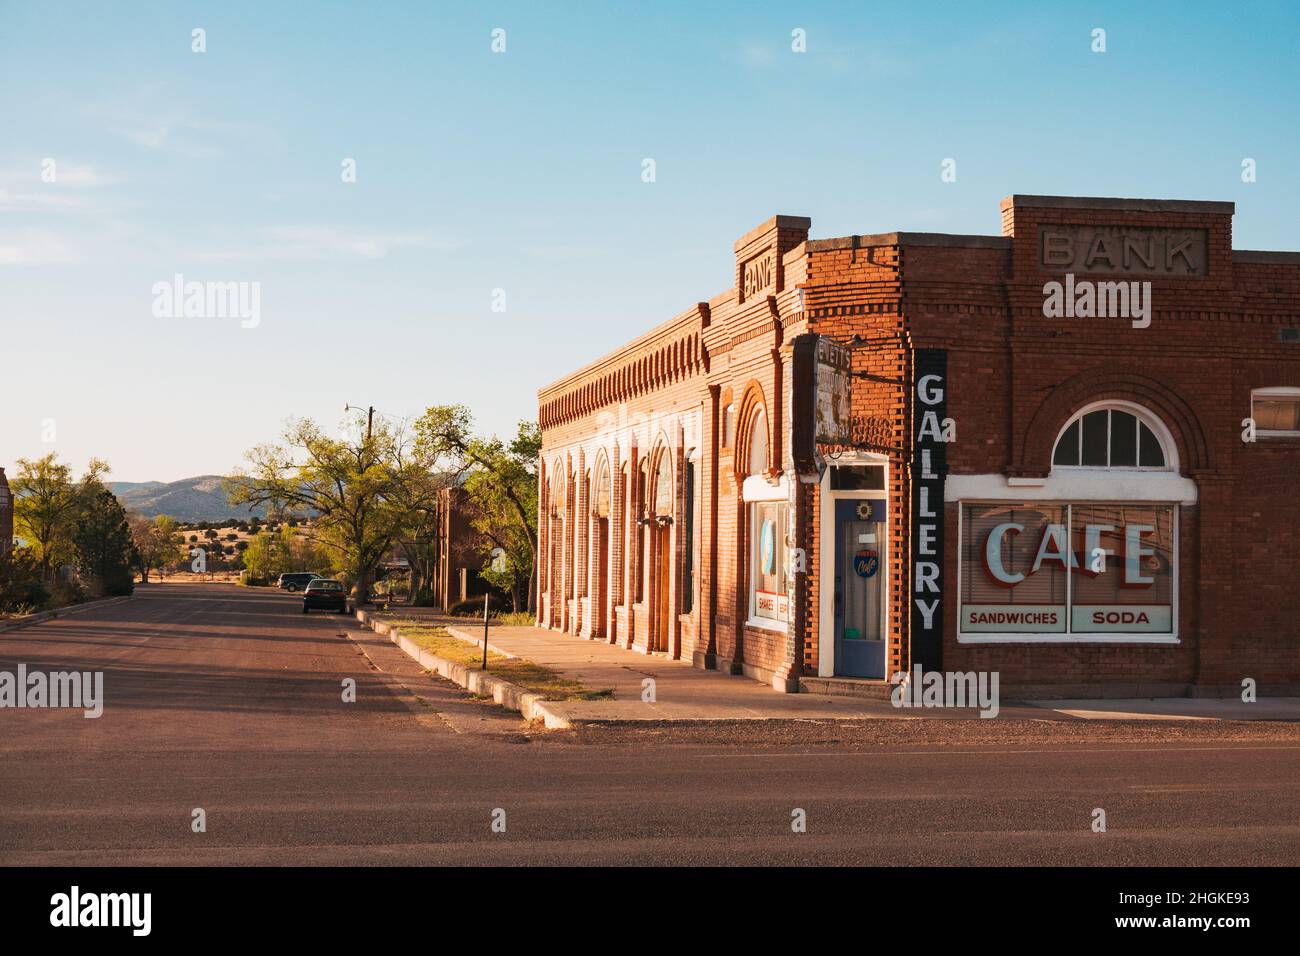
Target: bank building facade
1068, 453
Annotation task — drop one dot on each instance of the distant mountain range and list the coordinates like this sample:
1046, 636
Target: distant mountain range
190, 499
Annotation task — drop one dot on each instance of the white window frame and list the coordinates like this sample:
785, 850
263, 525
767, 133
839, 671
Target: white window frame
826, 551
1070, 485
1279, 391
754, 491
1089, 637
1158, 428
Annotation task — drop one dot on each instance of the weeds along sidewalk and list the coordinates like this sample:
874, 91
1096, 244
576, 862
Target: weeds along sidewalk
511, 681
566, 681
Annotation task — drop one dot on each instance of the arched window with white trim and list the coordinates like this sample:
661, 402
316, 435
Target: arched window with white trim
767, 521
1088, 553
1115, 435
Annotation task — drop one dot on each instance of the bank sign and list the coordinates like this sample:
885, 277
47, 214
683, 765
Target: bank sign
932, 430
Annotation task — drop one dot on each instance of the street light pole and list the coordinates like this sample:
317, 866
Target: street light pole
370, 417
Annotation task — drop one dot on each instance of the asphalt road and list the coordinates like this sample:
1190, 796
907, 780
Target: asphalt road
231, 701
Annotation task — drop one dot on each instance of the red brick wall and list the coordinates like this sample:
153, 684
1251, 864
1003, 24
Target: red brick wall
1014, 379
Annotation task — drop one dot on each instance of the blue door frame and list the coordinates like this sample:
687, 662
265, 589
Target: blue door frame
859, 645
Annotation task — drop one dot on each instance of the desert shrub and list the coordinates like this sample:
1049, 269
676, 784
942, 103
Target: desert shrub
473, 607
20, 582
66, 591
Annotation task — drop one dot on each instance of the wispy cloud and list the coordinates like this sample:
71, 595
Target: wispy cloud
328, 242
177, 131
34, 248
50, 185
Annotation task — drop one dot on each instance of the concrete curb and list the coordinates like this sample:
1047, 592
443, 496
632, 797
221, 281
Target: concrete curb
530, 705
62, 612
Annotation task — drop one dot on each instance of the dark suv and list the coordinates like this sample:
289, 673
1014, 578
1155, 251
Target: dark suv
326, 594
296, 581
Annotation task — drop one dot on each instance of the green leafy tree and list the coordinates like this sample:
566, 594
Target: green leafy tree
105, 554
350, 483
261, 557
158, 544
501, 479
46, 505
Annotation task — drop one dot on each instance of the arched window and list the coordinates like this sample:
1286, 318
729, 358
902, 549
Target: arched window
641, 516
664, 486
601, 497
1114, 435
758, 453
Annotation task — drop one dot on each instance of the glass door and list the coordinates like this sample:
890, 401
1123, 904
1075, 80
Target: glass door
859, 588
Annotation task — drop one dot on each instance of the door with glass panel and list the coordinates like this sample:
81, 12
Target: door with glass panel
859, 588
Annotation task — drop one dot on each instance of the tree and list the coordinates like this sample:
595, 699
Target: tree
501, 479
260, 557
102, 542
157, 543
349, 482
21, 588
46, 506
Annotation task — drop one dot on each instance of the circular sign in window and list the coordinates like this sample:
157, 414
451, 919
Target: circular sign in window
767, 546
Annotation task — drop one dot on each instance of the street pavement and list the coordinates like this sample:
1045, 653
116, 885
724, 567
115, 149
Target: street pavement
231, 701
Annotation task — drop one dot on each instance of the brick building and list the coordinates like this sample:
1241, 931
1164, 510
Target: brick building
1069, 453
6, 515
460, 549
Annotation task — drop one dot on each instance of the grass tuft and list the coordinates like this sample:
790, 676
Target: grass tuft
533, 677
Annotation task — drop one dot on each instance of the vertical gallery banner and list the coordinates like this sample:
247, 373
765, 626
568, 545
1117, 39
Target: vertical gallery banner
932, 429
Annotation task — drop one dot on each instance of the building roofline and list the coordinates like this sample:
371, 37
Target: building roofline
909, 239
627, 347
1260, 255
1130, 205
775, 222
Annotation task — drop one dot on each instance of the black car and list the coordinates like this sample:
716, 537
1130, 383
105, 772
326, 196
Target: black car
327, 594
295, 581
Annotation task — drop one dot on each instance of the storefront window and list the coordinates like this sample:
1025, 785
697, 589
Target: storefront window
1067, 569
1013, 574
688, 534
768, 598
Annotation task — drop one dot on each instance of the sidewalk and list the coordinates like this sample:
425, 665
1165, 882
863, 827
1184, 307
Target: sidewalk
686, 693
681, 692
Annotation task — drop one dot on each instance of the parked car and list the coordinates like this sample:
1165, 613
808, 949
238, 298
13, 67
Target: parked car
327, 594
296, 581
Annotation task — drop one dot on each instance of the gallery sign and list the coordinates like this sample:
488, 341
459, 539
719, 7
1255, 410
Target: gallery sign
932, 429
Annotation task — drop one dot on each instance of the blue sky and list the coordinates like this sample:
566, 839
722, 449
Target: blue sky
522, 171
